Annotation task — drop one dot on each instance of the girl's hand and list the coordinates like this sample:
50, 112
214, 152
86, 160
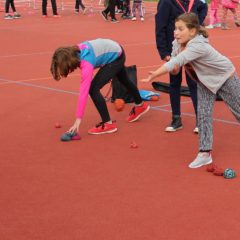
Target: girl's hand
175, 70
149, 78
75, 127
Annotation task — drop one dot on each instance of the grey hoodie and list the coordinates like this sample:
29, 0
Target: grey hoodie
212, 68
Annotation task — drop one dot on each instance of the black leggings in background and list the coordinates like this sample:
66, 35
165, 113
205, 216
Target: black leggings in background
8, 4
111, 8
175, 92
103, 76
44, 7
79, 3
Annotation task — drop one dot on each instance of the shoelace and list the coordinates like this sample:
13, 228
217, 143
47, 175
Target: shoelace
101, 124
132, 112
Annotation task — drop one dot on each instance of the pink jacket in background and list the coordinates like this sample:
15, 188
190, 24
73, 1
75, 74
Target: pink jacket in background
229, 4
214, 4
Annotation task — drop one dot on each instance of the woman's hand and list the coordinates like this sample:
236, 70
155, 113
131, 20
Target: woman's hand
153, 74
149, 78
75, 127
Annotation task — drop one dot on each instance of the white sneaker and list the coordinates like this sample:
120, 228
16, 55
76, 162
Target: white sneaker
217, 25
134, 18
8, 17
196, 130
142, 19
209, 26
203, 158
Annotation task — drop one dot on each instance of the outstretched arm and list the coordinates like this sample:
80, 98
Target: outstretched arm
87, 74
75, 126
160, 71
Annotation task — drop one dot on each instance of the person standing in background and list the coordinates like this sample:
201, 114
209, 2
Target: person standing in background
110, 8
214, 21
78, 4
229, 5
15, 13
54, 8
167, 12
137, 5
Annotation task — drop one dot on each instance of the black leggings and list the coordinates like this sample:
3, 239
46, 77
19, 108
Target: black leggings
44, 7
103, 76
79, 3
111, 8
175, 87
8, 4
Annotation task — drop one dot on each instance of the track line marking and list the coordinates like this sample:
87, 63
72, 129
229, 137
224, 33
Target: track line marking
157, 108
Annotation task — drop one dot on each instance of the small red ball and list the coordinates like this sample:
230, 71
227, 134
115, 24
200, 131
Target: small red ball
119, 104
211, 167
58, 125
154, 98
218, 172
133, 145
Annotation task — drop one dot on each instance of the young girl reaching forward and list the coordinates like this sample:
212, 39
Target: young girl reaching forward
107, 55
213, 72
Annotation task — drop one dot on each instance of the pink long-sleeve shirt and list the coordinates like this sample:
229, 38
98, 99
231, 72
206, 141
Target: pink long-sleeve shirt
93, 54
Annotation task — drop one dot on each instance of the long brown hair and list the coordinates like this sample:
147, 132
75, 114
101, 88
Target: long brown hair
64, 61
191, 21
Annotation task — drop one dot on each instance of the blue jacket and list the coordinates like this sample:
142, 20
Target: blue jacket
167, 12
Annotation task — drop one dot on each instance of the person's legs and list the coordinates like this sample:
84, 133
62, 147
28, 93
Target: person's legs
112, 4
230, 93
82, 5
141, 11
224, 17
206, 101
174, 92
192, 85
12, 5
16, 14
54, 7
134, 11
103, 76
119, 5
7, 6
44, 7
77, 6
105, 12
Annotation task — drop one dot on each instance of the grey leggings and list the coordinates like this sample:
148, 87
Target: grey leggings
230, 93
137, 6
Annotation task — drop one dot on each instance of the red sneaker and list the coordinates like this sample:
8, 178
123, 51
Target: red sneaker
137, 112
102, 128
